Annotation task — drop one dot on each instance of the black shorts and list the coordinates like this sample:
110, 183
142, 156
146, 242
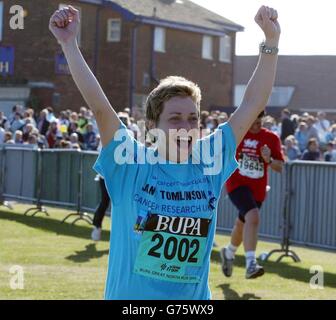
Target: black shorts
244, 201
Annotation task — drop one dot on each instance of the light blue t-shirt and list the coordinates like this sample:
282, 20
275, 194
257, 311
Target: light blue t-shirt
163, 219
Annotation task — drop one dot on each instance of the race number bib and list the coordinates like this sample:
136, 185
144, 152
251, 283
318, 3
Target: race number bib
251, 167
171, 246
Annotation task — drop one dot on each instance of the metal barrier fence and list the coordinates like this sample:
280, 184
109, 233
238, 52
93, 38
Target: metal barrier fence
90, 193
19, 173
300, 207
312, 204
2, 172
271, 213
61, 178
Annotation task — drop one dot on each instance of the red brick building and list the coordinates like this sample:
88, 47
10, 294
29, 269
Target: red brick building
129, 45
302, 84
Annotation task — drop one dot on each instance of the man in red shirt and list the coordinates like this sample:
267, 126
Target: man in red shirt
246, 188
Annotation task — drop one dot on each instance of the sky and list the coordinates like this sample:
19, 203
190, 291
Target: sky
308, 26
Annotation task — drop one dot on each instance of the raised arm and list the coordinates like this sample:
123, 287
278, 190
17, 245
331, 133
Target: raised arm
64, 24
260, 85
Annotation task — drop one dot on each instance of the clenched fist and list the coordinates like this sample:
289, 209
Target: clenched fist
266, 153
64, 24
267, 19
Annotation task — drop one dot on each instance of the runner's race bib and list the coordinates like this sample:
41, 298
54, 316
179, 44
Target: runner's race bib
171, 246
251, 167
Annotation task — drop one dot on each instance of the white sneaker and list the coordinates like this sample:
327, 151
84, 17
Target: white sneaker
254, 270
96, 234
227, 264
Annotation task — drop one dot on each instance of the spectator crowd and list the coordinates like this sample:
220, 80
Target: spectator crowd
304, 137
67, 130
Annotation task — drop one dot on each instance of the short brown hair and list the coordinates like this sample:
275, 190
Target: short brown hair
312, 141
262, 114
286, 111
168, 88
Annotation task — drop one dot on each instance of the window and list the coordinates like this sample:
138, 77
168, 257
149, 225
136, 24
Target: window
62, 5
139, 100
159, 39
1, 19
225, 49
280, 97
239, 92
146, 80
113, 30
207, 48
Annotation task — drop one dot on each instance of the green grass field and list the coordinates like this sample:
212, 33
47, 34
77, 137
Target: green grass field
61, 262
